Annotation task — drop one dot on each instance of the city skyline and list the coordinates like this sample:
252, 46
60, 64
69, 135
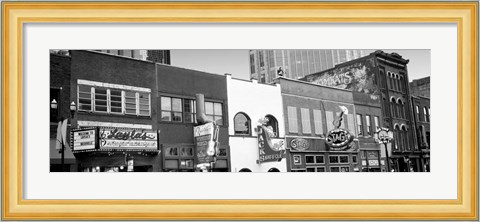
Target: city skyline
236, 61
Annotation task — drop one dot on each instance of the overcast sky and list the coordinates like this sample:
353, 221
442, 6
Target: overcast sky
236, 61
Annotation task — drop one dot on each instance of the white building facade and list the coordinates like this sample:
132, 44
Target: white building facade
251, 105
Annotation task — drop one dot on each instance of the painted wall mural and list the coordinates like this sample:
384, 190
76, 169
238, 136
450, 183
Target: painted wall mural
358, 77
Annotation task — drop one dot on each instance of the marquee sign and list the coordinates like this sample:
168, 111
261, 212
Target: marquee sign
84, 139
137, 139
339, 139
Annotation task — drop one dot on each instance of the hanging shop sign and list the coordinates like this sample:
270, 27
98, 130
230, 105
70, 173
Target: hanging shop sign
130, 139
339, 139
206, 137
269, 149
84, 139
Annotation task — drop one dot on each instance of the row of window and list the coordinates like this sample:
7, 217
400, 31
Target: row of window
182, 110
322, 169
242, 124
426, 114
293, 125
320, 159
396, 81
113, 101
368, 124
397, 108
402, 138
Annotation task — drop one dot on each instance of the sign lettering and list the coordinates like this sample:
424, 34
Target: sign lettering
338, 139
128, 139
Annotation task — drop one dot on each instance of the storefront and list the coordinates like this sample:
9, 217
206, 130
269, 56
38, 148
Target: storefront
311, 155
108, 149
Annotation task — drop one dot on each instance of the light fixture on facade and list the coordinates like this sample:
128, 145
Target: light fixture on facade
54, 104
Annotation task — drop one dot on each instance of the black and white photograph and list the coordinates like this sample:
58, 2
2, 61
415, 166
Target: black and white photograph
240, 110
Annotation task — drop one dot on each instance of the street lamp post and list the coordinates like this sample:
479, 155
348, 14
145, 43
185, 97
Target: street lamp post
384, 136
73, 109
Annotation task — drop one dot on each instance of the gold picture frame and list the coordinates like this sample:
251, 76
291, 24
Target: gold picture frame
16, 14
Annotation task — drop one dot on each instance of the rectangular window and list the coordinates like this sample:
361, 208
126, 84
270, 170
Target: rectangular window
309, 159
359, 125
333, 159
329, 119
116, 101
183, 110
166, 107
319, 159
344, 159
344, 169
144, 104
310, 169
334, 169
369, 125
101, 100
189, 111
354, 159
320, 169
317, 119
292, 119
306, 127
113, 100
377, 122
130, 103
214, 112
351, 124
84, 98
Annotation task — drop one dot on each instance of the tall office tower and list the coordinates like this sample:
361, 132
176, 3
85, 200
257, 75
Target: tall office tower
158, 56
265, 65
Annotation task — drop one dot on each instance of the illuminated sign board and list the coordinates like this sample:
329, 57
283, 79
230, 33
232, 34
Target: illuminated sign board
84, 139
338, 139
299, 144
130, 139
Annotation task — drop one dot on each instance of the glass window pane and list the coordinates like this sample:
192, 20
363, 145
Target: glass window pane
320, 169
333, 159
143, 96
177, 117
217, 109
209, 108
177, 105
166, 116
310, 169
334, 169
343, 159
84, 88
187, 105
166, 103
218, 120
309, 159
144, 112
188, 118
319, 159
241, 124
345, 169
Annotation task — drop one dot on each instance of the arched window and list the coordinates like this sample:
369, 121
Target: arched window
393, 107
241, 124
245, 170
401, 113
405, 137
272, 122
397, 135
273, 169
